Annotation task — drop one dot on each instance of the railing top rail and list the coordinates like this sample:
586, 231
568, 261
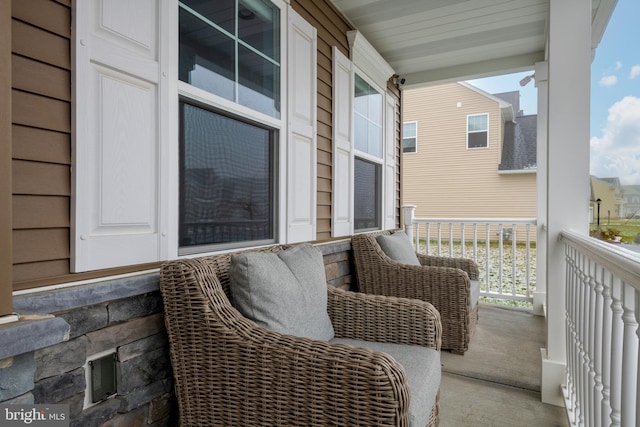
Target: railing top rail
622, 262
478, 220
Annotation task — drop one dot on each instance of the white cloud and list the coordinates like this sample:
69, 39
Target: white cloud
608, 81
617, 152
635, 72
618, 65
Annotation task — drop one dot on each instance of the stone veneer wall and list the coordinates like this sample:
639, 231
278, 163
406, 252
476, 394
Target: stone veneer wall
42, 356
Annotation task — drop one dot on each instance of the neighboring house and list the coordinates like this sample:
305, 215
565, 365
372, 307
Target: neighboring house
467, 152
631, 201
611, 195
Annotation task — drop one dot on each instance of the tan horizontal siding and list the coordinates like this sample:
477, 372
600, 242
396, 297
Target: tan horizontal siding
40, 245
444, 178
39, 78
41, 145
331, 31
41, 45
41, 141
40, 212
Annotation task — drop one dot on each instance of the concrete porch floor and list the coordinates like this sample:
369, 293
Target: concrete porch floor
497, 381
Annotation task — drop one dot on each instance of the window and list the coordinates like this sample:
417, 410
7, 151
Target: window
226, 179
368, 138
409, 137
235, 55
230, 49
478, 131
367, 189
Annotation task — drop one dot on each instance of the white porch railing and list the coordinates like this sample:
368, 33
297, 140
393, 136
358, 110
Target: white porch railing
502, 247
603, 312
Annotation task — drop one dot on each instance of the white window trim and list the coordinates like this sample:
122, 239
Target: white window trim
207, 99
416, 137
468, 132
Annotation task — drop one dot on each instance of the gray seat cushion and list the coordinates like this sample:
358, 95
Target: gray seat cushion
284, 291
422, 366
398, 247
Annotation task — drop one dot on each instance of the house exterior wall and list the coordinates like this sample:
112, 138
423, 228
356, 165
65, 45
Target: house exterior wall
610, 203
41, 138
446, 179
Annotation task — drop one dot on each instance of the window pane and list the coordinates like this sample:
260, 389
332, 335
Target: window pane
207, 57
477, 139
366, 195
409, 129
259, 26
368, 117
227, 183
235, 55
220, 12
477, 123
408, 145
259, 83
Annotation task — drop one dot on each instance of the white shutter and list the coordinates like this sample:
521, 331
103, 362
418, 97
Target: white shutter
115, 136
301, 140
342, 145
390, 164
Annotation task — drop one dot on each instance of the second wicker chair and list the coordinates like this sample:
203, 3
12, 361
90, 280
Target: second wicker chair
450, 284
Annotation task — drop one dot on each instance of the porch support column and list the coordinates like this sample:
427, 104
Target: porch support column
567, 168
542, 84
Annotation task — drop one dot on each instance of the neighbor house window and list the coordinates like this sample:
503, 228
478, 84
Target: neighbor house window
368, 139
231, 50
409, 137
478, 131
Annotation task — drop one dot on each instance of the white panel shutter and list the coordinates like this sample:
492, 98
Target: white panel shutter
342, 145
301, 138
115, 137
390, 164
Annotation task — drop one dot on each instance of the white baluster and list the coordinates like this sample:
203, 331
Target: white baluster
527, 273
462, 243
598, 345
513, 259
439, 239
451, 239
487, 257
607, 331
500, 257
616, 351
629, 357
428, 243
475, 242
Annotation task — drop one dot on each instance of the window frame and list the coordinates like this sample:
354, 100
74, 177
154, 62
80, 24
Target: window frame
185, 92
415, 136
468, 132
364, 156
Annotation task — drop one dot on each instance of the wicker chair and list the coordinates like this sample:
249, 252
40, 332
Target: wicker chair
444, 282
231, 372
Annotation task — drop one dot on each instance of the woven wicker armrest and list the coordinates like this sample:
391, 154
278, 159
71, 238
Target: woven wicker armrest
384, 319
464, 264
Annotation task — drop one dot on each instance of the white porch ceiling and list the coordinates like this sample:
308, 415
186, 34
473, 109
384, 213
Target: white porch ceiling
437, 41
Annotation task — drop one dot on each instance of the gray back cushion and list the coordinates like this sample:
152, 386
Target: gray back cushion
284, 291
398, 247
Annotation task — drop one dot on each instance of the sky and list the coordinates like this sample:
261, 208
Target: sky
615, 96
